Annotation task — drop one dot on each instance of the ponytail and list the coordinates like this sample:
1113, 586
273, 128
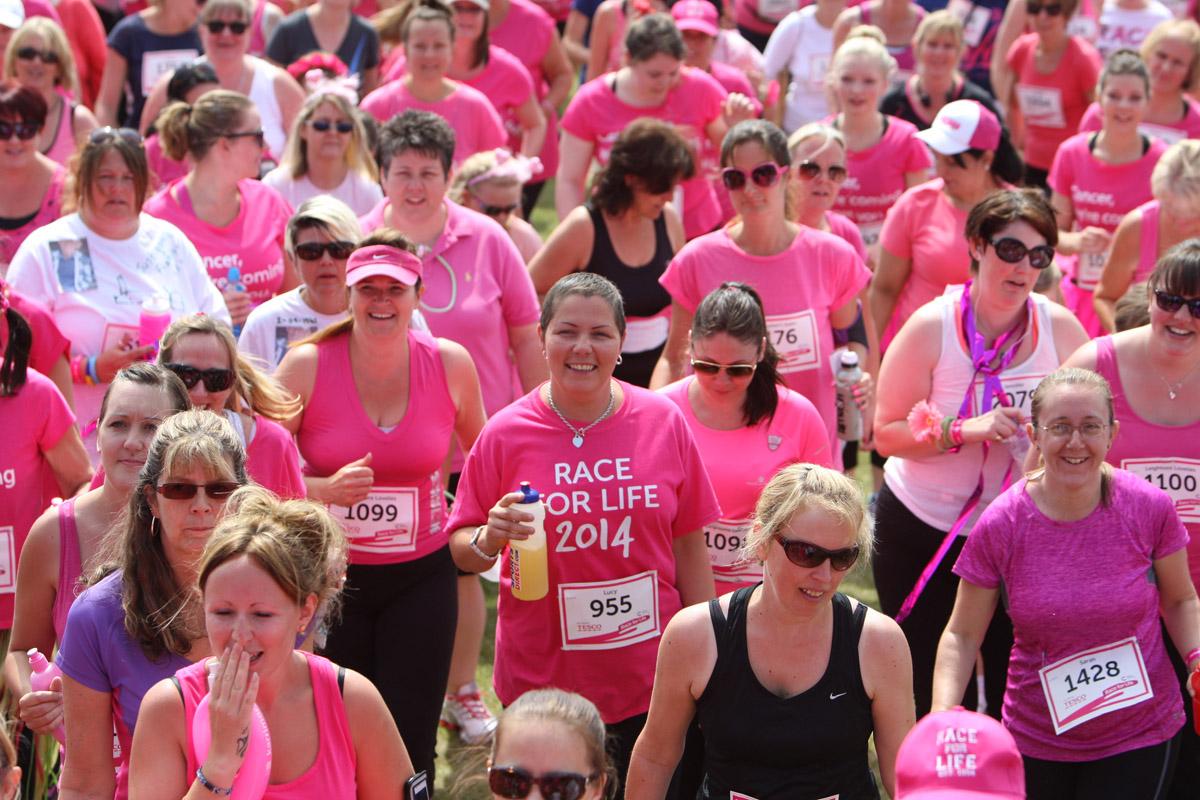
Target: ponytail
16, 353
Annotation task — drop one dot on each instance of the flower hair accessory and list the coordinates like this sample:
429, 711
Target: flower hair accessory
317, 83
925, 422
522, 168
317, 60
3, 296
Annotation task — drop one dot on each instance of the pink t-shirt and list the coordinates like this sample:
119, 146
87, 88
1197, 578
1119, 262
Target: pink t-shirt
925, 229
1071, 587
476, 288
527, 32
272, 459
163, 169
1186, 128
253, 242
614, 508
876, 176
51, 209
734, 80
476, 124
49, 345
1053, 104
844, 228
740, 462
597, 116
35, 419
800, 287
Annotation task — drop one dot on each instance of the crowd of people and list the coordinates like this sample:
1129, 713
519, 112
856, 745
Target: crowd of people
316, 317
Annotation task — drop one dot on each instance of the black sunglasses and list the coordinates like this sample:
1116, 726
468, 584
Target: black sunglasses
219, 25
323, 125
811, 169
732, 370
24, 130
217, 490
311, 251
215, 380
31, 53
1013, 250
258, 136
101, 135
810, 556
764, 176
1052, 9
1172, 302
499, 211
516, 783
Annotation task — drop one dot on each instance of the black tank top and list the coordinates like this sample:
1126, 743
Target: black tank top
809, 746
644, 296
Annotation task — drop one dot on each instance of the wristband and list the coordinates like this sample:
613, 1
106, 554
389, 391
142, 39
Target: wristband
91, 371
212, 787
477, 550
956, 434
1192, 655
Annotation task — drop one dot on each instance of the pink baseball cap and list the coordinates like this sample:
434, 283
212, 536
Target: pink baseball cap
696, 15
959, 755
961, 126
382, 259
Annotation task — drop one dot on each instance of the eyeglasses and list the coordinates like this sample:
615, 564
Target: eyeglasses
732, 370
1063, 430
257, 135
218, 26
765, 175
467, 8
24, 130
810, 556
215, 380
311, 251
809, 170
1051, 9
517, 783
101, 135
323, 125
1165, 300
495, 212
1013, 250
217, 490
32, 53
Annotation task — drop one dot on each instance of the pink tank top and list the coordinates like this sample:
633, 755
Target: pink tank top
332, 774
51, 210
70, 566
404, 516
1148, 255
1168, 456
63, 146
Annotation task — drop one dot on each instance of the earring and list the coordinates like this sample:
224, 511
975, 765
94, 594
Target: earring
620, 360
154, 521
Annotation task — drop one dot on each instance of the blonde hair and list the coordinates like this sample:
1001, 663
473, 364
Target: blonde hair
56, 41
864, 41
472, 168
1185, 29
813, 130
193, 129
326, 214
576, 712
358, 155
940, 22
1177, 172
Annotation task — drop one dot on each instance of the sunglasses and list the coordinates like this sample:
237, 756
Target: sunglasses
101, 135
323, 125
514, 782
24, 130
257, 135
1172, 302
215, 380
810, 556
765, 175
217, 26
467, 8
311, 251
1051, 9
498, 211
32, 53
1013, 250
732, 370
217, 490
810, 170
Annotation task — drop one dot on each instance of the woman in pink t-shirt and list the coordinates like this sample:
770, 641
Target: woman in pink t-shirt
747, 424
235, 221
884, 157
819, 159
606, 43
203, 353
1090, 561
897, 20
35, 182
1097, 178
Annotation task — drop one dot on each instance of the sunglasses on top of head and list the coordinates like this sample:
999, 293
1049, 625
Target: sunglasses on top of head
217, 490
811, 556
24, 130
31, 53
516, 783
218, 26
215, 380
1173, 302
1011, 251
764, 176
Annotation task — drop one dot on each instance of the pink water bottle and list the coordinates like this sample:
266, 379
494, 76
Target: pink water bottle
44, 671
154, 320
250, 783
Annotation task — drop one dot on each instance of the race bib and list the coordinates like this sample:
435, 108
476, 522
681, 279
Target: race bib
645, 333
118, 335
1018, 392
974, 19
1095, 682
1178, 477
724, 539
1084, 27
8, 561
607, 615
384, 523
818, 68
1091, 265
157, 63
1041, 105
795, 338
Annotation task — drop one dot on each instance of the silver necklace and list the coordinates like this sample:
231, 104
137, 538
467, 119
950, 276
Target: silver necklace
1172, 388
577, 439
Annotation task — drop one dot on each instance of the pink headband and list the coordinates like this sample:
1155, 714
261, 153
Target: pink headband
316, 83
509, 166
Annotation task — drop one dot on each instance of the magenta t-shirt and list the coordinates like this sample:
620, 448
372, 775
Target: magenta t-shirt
740, 462
477, 126
1052, 105
49, 345
841, 226
876, 176
272, 459
253, 242
1072, 586
597, 116
50, 210
800, 287
527, 32
614, 507
1186, 128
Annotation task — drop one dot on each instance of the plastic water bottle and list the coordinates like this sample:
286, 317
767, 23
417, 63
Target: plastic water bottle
250, 782
44, 671
234, 279
153, 320
849, 415
527, 557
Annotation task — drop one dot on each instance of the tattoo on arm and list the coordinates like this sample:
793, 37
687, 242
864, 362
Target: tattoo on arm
243, 742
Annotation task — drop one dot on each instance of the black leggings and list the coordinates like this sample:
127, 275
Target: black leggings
397, 629
1186, 784
903, 546
1142, 774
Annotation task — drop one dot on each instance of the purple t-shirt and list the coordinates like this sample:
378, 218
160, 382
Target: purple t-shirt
97, 651
1071, 586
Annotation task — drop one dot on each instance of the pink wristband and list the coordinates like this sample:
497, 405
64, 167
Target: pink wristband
956, 434
1191, 656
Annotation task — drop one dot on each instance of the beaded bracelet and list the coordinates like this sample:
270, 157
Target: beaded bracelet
212, 787
78, 368
91, 371
956, 434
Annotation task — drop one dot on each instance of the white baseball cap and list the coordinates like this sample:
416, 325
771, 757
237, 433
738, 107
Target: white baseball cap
12, 13
960, 126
